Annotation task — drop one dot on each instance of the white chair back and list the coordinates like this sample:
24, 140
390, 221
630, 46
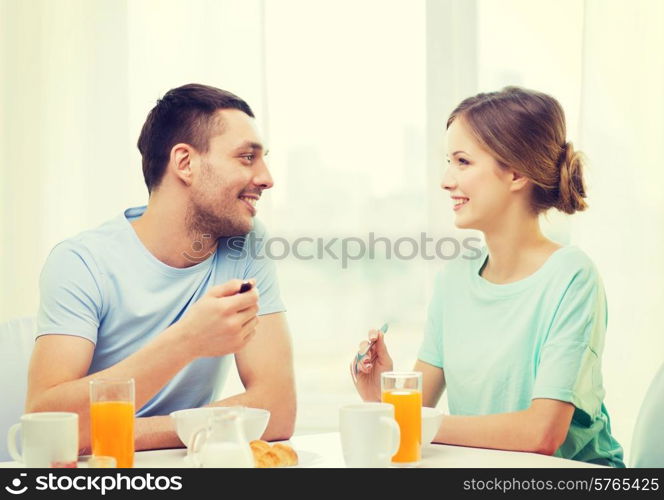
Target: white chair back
17, 338
648, 439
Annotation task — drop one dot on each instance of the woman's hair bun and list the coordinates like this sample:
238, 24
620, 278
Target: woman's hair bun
572, 190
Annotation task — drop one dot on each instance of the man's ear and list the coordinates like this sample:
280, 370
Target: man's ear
180, 162
518, 181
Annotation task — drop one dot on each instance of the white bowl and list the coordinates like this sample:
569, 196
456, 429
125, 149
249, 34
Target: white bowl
431, 419
188, 421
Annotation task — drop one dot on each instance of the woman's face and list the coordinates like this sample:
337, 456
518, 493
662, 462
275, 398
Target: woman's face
481, 190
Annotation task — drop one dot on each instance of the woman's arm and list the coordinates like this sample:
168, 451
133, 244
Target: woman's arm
541, 428
433, 383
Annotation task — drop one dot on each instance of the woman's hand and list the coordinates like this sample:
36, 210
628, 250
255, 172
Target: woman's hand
376, 361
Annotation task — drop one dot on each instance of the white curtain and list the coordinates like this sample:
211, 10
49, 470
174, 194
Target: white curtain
602, 60
78, 79
622, 132
346, 83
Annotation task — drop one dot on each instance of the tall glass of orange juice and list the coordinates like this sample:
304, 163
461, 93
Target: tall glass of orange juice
404, 391
112, 420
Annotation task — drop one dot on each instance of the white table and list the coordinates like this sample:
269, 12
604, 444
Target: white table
324, 450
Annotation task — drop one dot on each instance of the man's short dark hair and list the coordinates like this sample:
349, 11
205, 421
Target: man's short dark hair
184, 115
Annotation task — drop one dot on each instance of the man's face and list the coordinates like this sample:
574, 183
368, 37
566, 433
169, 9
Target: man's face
229, 178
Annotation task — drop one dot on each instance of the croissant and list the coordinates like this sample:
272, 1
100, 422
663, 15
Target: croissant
276, 455
286, 454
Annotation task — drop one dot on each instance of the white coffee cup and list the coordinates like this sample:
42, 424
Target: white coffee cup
48, 439
369, 434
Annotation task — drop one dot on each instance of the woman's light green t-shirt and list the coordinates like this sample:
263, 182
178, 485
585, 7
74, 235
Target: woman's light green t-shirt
541, 337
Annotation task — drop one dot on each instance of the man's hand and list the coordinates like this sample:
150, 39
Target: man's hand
221, 322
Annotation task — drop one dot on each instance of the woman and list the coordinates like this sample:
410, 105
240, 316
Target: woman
515, 336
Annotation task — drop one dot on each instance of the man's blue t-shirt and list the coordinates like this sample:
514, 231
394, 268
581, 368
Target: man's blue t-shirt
105, 286
501, 346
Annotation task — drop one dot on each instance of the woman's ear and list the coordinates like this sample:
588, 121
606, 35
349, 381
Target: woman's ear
518, 181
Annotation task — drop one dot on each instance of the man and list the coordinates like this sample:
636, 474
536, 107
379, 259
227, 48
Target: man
153, 294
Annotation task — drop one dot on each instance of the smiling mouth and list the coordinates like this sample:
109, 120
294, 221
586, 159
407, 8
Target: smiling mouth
252, 200
459, 202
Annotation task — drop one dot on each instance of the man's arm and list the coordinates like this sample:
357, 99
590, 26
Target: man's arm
222, 322
265, 366
57, 379
541, 428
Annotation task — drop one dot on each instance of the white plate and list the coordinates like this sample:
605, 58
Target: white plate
305, 459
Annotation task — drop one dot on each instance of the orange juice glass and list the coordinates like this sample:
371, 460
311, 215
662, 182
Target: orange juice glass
112, 420
404, 391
